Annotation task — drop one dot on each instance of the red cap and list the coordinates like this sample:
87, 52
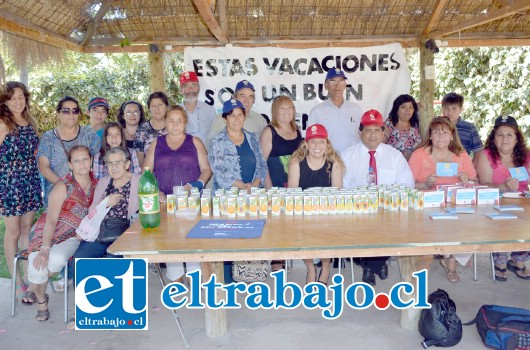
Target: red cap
316, 131
372, 117
188, 77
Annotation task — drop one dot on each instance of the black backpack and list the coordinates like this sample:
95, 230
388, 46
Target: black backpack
503, 328
439, 325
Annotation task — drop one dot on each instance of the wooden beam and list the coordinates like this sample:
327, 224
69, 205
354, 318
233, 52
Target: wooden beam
493, 15
487, 42
221, 12
438, 7
157, 80
104, 8
23, 28
427, 87
183, 41
207, 15
472, 42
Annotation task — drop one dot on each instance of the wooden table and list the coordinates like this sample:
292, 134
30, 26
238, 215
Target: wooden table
406, 235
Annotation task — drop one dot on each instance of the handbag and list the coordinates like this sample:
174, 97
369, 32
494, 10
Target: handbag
250, 271
112, 228
90, 226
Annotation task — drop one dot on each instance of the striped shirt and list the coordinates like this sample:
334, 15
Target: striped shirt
469, 137
200, 120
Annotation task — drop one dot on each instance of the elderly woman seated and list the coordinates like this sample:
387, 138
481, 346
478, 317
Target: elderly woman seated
505, 150
54, 240
121, 187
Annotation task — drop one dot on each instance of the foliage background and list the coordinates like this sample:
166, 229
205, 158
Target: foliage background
116, 77
493, 80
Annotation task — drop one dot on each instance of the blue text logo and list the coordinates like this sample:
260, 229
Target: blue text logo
111, 294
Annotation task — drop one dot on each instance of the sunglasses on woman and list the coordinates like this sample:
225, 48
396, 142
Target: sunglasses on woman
74, 111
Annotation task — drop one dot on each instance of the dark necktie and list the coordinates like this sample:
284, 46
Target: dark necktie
373, 164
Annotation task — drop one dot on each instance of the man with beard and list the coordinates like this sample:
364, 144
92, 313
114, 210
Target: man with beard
200, 114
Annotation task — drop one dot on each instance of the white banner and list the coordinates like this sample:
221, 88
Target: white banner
376, 75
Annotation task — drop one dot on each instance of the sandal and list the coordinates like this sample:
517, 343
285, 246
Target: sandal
519, 271
318, 278
28, 298
452, 276
501, 270
43, 315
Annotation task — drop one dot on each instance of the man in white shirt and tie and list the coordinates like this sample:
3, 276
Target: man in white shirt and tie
389, 166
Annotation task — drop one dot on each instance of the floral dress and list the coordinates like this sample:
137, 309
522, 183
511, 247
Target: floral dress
145, 134
20, 189
404, 141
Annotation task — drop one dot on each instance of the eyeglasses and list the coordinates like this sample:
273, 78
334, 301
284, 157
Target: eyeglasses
117, 163
136, 113
335, 82
74, 111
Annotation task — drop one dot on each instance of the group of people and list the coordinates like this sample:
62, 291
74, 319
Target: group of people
191, 146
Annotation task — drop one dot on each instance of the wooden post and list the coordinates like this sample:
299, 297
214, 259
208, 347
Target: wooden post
407, 266
216, 325
157, 80
426, 90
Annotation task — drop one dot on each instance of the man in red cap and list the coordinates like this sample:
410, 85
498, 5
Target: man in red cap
340, 117
200, 114
372, 161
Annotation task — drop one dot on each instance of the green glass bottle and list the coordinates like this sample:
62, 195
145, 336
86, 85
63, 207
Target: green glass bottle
148, 200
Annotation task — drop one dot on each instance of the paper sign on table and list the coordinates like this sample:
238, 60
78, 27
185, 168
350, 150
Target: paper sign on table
446, 169
443, 216
227, 229
501, 216
519, 173
433, 199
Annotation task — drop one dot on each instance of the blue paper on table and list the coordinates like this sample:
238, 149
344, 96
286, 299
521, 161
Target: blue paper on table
446, 169
519, 173
227, 229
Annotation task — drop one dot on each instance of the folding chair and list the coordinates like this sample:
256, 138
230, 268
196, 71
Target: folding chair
20, 256
475, 267
341, 262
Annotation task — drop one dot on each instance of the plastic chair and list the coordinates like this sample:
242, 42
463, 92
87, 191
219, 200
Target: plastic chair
20, 256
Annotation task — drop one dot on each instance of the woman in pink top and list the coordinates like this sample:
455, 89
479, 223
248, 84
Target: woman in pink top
505, 149
442, 145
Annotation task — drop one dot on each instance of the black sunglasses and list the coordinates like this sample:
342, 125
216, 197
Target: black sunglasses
70, 111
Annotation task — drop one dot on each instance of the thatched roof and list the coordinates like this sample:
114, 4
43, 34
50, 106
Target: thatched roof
101, 26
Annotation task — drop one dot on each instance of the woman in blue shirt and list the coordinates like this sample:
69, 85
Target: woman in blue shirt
234, 153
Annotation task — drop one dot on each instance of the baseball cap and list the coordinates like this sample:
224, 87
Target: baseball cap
335, 72
98, 101
372, 117
187, 77
316, 131
506, 120
244, 84
232, 104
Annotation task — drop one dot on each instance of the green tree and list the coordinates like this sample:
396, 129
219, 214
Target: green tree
493, 80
